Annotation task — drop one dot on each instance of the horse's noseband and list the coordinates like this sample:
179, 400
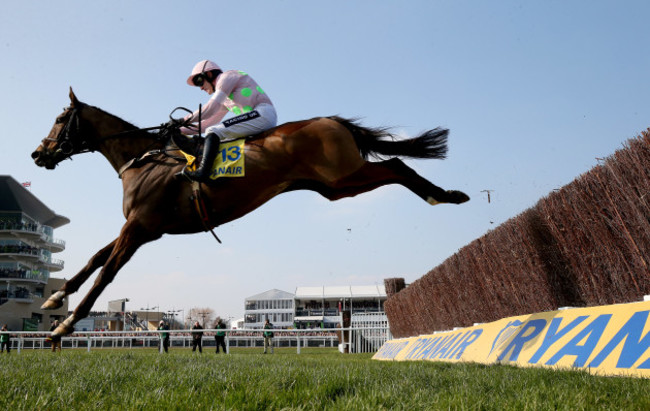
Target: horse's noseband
66, 148
69, 139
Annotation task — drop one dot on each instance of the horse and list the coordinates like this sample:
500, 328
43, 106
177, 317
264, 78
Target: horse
328, 155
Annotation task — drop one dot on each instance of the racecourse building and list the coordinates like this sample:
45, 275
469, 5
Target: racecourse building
315, 307
275, 305
334, 306
27, 244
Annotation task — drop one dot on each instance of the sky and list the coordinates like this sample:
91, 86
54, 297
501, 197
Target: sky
533, 94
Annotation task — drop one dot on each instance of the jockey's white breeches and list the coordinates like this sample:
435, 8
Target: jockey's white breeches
261, 118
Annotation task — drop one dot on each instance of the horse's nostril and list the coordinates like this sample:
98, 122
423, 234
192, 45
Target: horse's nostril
36, 155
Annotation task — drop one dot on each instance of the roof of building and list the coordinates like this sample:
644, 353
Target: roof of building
346, 291
273, 294
15, 197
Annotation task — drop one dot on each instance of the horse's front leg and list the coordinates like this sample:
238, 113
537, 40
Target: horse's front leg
130, 239
71, 286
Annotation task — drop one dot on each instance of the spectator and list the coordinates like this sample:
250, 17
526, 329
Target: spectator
164, 336
56, 341
4, 339
197, 337
268, 336
220, 336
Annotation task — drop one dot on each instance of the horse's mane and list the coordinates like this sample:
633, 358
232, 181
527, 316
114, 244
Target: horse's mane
112, 116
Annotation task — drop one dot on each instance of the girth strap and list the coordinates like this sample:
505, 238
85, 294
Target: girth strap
201, 208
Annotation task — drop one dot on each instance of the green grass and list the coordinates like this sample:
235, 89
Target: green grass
315, 379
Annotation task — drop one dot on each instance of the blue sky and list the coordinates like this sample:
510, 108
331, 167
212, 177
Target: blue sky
533, 93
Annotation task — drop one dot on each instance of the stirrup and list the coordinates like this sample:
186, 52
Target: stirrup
183, 173
194, 176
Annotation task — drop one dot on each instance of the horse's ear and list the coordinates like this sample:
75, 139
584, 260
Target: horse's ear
73, 99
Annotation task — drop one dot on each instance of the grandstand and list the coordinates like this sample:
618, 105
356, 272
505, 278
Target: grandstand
26, 247
313, 307
333, 306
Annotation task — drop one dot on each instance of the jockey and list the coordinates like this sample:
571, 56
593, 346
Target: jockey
231, 91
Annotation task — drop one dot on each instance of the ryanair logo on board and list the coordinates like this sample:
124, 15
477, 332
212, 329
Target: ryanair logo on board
607, 340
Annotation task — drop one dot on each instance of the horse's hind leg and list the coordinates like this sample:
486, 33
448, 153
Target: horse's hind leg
71, 286
376, 174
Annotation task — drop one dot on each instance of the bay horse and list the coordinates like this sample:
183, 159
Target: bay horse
327, 155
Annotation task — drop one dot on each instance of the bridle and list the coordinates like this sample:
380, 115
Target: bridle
70, 143
68, 138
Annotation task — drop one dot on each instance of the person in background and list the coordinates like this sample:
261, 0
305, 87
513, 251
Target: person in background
197, 337
164, 336
220, 336
268, 336
5, 339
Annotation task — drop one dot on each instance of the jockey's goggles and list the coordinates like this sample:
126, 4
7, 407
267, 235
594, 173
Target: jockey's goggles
198, 80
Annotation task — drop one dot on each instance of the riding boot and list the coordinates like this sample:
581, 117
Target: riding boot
210, 151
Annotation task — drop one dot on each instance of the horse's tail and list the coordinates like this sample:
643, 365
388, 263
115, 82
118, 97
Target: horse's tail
379, 143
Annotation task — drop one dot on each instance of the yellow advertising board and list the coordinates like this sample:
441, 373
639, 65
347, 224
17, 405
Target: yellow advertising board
604, 340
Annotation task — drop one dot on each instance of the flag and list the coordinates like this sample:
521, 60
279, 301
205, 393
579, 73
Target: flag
27, 184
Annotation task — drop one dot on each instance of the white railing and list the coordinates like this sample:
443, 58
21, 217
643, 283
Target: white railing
54, 241
52, 262
371, 332
93, 340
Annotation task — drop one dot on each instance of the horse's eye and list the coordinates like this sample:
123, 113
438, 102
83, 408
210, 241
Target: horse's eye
59, 120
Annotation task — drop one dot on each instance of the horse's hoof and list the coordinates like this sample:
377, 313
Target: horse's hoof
51, 305
62, 330
54, 302
457, 197
450, 197
66, 327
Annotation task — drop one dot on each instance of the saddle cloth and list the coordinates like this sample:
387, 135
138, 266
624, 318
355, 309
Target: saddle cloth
229, 162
